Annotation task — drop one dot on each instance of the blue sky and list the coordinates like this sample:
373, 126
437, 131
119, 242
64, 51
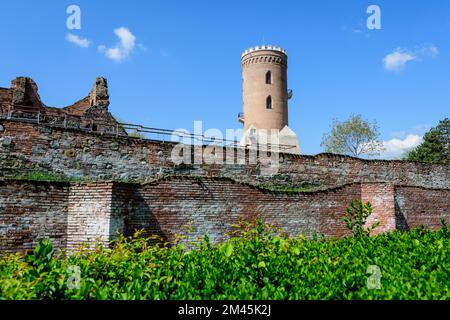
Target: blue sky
180, 60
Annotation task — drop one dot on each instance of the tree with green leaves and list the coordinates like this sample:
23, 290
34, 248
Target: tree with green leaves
355, 136
436, 145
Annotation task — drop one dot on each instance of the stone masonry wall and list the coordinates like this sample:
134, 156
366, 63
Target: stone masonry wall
28, 147
72, 214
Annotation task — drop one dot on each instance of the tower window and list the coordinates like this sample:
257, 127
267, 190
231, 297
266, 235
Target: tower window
269, 102
268, 77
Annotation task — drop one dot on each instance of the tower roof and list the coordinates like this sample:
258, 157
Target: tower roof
261, 48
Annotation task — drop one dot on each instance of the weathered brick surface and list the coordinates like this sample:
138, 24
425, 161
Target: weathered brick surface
192, 207
30, 211
381, 197
25, 147
416, 206
331, 205
89, 218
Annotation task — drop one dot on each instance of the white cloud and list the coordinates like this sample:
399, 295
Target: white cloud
397, 60
121, 51
418, 130
77, 40
397, 148
428, 50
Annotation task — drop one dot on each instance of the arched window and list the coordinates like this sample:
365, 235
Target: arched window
269, 102
268, 77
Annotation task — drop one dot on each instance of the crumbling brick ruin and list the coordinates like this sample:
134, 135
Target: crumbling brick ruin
22, 100
122, 183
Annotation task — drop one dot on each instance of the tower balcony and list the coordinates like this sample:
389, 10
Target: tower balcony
241, 117
290, 94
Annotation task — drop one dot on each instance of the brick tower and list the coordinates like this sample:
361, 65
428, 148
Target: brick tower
265, 96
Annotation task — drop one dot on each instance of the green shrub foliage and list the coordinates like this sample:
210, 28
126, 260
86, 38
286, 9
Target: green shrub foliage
259, 263
356, 217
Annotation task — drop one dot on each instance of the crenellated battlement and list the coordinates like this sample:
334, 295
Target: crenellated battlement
264, 48
264, 54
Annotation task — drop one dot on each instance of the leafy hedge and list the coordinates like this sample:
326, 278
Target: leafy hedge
259, 264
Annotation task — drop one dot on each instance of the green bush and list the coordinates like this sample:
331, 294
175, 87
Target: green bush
259, 264
355, 218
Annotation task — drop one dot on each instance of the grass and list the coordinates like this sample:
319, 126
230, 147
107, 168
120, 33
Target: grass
45, 176
291, 188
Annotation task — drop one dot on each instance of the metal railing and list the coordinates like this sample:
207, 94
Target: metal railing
99, 126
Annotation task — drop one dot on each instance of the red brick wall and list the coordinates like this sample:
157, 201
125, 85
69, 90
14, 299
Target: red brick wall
89, 217
381, 197
416, 206
30, 211
332, 205
190, 206
213, 205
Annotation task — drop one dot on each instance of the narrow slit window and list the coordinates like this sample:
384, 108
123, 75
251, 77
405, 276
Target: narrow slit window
269, 102
268, 77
